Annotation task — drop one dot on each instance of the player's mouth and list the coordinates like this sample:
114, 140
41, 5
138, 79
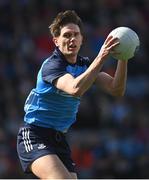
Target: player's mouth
72, 47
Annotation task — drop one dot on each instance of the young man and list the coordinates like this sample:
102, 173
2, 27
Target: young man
51, 107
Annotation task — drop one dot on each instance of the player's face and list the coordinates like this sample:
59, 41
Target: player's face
69, 41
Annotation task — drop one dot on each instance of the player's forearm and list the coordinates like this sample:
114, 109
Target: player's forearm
83, 82
120, 77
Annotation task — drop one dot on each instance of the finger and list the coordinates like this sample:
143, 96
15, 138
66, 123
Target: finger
113, 45
112, 41
108, 39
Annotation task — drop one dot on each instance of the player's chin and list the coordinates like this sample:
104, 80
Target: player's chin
73, 53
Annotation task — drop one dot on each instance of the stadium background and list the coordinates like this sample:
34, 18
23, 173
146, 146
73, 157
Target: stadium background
111, 136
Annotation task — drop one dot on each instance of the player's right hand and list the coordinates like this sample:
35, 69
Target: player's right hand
108, 47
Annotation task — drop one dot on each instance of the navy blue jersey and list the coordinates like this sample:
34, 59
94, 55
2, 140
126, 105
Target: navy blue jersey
47, 106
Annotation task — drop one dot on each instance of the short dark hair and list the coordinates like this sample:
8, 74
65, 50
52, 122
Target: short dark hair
64, 18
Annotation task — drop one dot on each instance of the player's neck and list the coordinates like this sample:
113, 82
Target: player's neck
71, 59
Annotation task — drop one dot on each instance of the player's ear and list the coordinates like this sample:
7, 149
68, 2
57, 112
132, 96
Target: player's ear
55, 40
82, 40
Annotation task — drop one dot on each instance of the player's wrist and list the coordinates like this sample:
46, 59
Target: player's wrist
101, 58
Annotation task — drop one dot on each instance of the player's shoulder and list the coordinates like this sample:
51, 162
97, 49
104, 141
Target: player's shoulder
55, 59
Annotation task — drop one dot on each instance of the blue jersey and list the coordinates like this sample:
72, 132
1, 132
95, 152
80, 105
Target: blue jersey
47, 106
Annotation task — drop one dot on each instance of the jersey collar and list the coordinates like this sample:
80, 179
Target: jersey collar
59, 53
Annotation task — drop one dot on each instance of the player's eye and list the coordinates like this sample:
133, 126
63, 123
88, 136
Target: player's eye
76, 34
67, 35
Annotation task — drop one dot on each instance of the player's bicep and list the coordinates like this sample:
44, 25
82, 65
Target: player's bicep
65, 83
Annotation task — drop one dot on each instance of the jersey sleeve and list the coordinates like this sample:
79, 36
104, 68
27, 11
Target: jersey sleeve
52, 70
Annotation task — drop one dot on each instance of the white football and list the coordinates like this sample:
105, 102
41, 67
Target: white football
129, 43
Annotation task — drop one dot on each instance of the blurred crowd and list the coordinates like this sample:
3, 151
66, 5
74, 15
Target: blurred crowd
111, 137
